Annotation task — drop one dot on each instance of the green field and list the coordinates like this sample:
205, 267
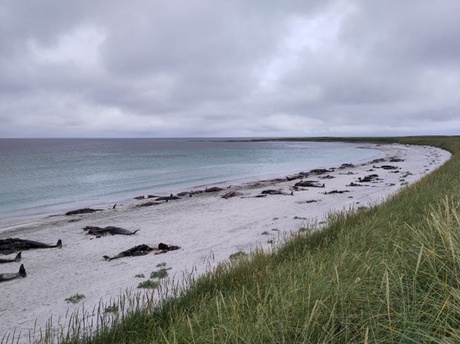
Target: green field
386, 274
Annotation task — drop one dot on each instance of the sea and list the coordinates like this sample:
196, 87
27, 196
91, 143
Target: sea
40, 177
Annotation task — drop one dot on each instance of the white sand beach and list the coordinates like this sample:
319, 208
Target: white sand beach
207, 227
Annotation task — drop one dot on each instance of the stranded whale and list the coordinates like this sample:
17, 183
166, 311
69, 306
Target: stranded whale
100, 231
12, 245
12, 275
142, 250
15, 259
139, 250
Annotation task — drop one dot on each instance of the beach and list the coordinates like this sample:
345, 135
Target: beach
206, 227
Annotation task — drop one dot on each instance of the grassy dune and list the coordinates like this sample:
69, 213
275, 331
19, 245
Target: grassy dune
390, 273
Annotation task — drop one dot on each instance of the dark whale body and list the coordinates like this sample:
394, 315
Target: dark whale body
142, 250
82, 211
99, 231
12, 245
15, 259
139, 250
7, 276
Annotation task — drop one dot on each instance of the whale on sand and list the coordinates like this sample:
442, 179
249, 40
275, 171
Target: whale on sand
6, 276
12, 245
15, 259
142, 250
139, 250
100, 231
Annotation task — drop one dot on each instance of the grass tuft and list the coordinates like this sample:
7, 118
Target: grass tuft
148, 284
75, 298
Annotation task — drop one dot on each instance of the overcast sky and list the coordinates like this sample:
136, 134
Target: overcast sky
223, 68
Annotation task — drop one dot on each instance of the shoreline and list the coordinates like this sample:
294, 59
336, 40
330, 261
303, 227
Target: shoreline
207, 227
10, 223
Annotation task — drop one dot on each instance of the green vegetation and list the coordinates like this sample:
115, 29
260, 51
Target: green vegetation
75, 298
148, 284
238, 255
159, 274
162, 273
111, 309
384, 274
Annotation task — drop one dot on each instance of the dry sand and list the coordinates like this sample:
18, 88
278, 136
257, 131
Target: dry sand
207, 227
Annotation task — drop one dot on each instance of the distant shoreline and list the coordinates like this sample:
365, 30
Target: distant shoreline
13, 221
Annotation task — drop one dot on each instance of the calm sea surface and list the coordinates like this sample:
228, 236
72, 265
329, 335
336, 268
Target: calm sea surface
45, 176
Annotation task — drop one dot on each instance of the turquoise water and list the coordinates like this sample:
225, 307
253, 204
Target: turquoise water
45, 176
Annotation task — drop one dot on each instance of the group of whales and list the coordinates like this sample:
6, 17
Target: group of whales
12, 245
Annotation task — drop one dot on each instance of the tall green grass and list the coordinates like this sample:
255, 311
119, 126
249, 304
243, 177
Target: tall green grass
390, 273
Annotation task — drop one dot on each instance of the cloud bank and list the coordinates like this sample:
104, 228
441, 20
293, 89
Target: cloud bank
229, 68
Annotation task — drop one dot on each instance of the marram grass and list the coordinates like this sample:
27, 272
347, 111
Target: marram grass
387, 274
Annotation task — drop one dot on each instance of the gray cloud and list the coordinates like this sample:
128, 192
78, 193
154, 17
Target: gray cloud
201, 68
